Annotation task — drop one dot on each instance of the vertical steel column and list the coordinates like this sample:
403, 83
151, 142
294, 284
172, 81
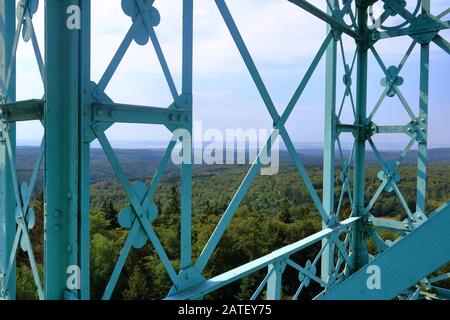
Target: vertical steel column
84, 125
186, 168
423, 115
7, 200
274, 284
62, 147
359, 240
327, 265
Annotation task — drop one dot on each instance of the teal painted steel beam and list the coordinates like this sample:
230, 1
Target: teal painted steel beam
441, 292
27, 110
410, 31
124, 113
274, 281
423, 114
85, 120
329, 152
62, 153
346, 128
391, 129
240, 272
8, 93
359, 239
403, 265
186, 166
373, 129
442, 43
394, 225
338, 25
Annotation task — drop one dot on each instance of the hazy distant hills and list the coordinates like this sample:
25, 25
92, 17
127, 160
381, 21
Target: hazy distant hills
142, 162
314, 156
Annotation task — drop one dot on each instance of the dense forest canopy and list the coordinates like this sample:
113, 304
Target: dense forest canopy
276, 211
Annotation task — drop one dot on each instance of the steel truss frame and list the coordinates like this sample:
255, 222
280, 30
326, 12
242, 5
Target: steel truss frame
73, 103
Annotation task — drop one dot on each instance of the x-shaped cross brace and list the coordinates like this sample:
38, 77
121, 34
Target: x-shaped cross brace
23, 196
392, 85
278, 129
412, 19
23, 206
139, 209
389, 179
145, 17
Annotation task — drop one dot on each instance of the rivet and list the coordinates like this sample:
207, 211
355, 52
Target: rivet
57, 214
56, 227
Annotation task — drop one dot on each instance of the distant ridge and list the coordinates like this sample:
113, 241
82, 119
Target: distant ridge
162, 144
25, 155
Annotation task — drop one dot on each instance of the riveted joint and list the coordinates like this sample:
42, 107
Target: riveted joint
3, 292
332, 221
347, 79
364, 224
424, 28
392, 81
364, 43
362, 132
4, 114
280, 264
364, 3
2, 98
337, 16
417, 129
184, 101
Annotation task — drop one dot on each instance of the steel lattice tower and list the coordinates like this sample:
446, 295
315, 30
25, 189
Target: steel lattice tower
75, 111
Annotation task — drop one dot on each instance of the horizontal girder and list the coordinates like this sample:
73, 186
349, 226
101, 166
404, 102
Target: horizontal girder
258, 264
22, 110
124, 113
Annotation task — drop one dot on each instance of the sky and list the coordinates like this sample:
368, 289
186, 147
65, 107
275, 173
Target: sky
282, 39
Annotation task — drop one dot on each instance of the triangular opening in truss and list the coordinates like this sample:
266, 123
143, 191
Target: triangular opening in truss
438, 112
29, 83
388, 205
404, 107
139, 78
346, 73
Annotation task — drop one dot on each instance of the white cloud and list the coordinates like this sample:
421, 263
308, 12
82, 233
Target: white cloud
281, 37
274, 32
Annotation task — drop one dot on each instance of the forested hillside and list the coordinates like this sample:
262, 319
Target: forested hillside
277, 211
